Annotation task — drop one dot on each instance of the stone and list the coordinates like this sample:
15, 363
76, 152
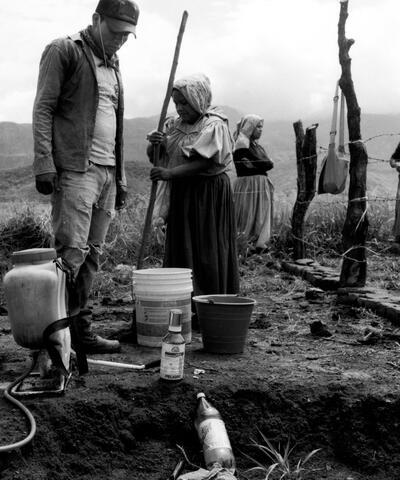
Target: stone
314, 294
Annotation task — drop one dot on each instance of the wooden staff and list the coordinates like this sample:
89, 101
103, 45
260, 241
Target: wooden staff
156, 151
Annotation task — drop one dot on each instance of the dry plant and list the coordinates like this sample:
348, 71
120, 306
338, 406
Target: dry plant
381, 219
29, 228
125, 235
277, 464
323, 229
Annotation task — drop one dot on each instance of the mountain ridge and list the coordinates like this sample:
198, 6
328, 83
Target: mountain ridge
379, 132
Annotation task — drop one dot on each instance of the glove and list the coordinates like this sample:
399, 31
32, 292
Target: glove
120, 199
47, 183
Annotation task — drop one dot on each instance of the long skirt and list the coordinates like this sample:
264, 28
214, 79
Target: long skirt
396, 225
201, 233
254, 199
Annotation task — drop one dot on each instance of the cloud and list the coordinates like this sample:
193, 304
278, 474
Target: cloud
14, 101
278, 57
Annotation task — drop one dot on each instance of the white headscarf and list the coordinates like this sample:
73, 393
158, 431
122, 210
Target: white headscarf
244, 130
197, 91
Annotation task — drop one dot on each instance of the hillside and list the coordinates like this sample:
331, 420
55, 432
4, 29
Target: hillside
15, 145
278, 138
18, 185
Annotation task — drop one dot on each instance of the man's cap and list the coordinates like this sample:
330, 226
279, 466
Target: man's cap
120, 15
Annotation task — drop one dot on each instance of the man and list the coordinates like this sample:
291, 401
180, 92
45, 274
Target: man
77, 129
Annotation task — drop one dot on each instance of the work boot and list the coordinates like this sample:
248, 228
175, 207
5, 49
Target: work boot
90, 342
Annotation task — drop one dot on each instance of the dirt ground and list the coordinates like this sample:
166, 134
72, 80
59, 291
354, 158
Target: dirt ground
338, 393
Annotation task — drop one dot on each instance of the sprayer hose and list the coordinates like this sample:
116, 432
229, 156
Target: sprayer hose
27, 413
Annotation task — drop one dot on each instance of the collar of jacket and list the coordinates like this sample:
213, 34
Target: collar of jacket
77, 38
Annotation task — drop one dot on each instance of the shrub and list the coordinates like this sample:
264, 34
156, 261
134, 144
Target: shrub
28, 228
124, 237
323, 228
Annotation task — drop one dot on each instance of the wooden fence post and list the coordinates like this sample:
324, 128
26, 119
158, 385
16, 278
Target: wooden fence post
355, 229
306, 155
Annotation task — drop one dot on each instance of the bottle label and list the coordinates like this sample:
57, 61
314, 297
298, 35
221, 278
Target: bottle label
172, 361
213, 434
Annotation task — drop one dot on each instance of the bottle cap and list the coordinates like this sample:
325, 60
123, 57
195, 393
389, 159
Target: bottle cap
200, 395
175, 324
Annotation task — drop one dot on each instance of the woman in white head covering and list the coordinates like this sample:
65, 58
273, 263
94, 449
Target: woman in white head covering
197, 148
254, 191
395, 163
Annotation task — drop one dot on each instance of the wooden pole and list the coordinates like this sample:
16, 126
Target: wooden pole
355, 229
156, 151
306, 146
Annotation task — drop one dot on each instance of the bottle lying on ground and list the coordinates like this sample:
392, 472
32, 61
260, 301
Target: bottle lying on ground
213, 435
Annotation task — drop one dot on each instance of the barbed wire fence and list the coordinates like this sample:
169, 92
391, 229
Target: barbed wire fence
342, 200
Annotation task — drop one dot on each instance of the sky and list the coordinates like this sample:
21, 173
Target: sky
276, 58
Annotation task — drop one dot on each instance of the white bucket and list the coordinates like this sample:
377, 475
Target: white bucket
157, 291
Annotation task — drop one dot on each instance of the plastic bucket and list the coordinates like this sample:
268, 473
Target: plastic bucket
157, 291
224, 321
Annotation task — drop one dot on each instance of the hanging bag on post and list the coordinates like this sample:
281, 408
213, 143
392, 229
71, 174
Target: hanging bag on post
335, 165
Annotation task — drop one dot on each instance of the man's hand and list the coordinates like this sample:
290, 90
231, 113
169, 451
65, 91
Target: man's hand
120, 199
47, 183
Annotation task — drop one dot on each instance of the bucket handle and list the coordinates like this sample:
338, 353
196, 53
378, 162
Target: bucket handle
212, 302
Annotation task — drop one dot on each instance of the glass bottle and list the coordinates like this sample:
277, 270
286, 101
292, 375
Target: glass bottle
173, 349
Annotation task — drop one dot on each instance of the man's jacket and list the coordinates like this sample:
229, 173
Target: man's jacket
65, 108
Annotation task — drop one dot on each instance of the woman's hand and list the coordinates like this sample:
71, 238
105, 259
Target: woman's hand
155, 137
160, 173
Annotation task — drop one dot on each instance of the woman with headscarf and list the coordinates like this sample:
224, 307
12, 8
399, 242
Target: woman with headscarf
254, 192
197, 149
395, 163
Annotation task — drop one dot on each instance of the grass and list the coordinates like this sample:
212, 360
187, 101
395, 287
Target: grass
23, 226
28, 226
125, 237
277, 463
323, 229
